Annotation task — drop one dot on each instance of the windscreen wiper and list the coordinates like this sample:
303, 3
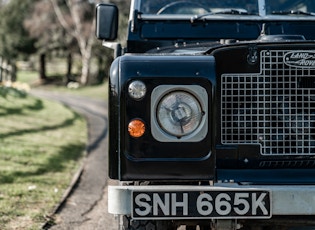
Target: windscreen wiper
293, 12
226, 11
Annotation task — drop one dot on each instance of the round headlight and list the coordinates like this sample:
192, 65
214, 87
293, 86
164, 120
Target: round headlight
179, 113
137, 90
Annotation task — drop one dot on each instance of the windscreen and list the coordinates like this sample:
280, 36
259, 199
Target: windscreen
290, 6
196, 6
244, 7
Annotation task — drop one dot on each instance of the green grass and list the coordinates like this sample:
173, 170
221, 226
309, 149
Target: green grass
28, 77
41, 147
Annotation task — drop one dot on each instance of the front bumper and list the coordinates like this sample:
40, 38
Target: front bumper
285, 200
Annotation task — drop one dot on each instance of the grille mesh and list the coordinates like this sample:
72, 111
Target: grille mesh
274, 108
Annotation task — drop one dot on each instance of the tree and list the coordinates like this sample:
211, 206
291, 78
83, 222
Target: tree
81, 28
14, 39
44, 26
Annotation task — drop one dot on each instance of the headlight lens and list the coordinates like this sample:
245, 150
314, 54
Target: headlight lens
137, 90
179, 113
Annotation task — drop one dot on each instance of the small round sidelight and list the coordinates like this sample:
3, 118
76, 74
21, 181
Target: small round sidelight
136, 128
137, 90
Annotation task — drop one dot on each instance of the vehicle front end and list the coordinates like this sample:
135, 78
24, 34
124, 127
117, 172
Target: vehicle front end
212, 115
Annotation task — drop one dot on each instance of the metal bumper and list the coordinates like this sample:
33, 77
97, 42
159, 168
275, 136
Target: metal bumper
286, 199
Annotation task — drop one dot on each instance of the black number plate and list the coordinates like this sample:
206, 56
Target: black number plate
199, 205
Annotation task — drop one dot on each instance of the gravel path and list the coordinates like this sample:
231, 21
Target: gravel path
85, 207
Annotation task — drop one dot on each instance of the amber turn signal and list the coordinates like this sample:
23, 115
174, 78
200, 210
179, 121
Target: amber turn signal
136, 128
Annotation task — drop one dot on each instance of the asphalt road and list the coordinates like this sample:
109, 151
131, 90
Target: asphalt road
85, 206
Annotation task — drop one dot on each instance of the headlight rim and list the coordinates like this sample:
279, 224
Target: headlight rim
199, 93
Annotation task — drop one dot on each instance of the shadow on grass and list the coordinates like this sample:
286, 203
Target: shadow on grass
18, 110
64, 124
38, 105
55, 163
10, 91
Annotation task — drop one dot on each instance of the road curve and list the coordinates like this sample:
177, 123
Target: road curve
85, 206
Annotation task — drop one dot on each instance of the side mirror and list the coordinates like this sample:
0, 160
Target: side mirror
106, 21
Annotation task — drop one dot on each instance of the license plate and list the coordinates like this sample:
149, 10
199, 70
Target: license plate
201, 204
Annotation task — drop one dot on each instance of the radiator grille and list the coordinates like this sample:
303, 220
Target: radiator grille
274, 108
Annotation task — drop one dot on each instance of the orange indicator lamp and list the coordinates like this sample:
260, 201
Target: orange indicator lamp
136, 128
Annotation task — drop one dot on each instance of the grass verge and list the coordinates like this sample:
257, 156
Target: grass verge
41, 145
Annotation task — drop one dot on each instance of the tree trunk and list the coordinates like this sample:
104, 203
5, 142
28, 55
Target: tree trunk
69, 69
42, 67
86, 58
1, 70
13, 72
86, 53
85, 42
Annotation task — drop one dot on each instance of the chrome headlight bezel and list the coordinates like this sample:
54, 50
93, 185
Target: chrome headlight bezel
200, 96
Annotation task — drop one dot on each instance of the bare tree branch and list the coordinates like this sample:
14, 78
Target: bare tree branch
61, 18
82, 30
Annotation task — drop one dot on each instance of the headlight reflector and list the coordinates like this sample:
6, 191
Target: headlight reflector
179, 113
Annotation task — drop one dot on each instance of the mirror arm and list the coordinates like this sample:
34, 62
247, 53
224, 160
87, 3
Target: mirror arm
115, 46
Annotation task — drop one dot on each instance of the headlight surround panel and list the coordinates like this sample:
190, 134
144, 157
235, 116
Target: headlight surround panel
156, 143
145, 157
179, 113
